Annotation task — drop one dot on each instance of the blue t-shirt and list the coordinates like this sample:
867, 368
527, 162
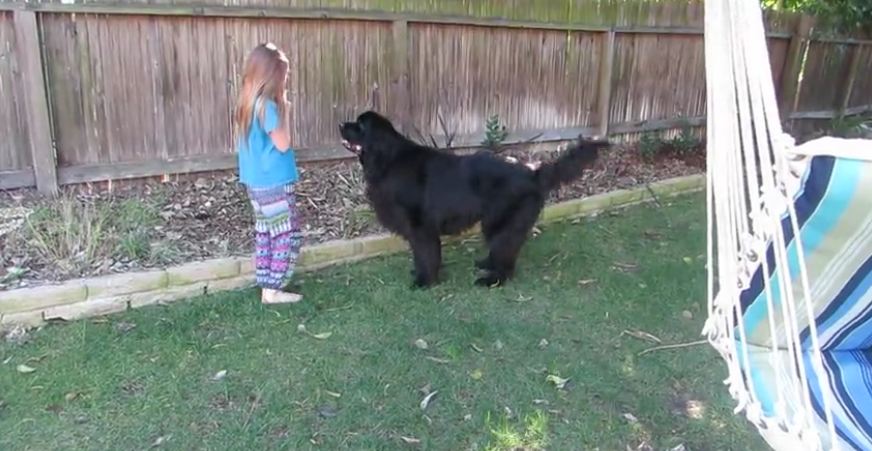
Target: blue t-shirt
261, 165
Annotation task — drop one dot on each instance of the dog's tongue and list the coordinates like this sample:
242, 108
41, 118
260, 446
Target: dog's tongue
353, 148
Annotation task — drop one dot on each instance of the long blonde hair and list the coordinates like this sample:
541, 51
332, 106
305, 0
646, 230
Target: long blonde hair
263, 77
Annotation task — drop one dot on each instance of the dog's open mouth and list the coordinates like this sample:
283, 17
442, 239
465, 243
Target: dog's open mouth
354, 148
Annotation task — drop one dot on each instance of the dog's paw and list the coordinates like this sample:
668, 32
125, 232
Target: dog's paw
490, 281
421, 281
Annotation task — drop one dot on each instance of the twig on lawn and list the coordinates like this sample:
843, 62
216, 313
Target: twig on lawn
438, 360
336, 309
675, 346
653, 195
555, 257
254, 404
642, 335
606, 231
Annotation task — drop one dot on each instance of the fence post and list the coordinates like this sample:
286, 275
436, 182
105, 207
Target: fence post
604, 90
32, 84
793, 66
847, 85
400, 69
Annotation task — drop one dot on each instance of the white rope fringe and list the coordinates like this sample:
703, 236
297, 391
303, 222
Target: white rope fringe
754, 173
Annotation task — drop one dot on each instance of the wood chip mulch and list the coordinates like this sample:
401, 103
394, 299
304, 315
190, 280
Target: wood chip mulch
209, 216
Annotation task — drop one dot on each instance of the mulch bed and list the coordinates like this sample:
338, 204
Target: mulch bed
209, 216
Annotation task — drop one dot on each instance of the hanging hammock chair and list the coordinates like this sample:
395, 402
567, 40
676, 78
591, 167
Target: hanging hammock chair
790, 252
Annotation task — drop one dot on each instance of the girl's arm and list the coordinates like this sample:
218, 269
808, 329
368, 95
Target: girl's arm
281, 135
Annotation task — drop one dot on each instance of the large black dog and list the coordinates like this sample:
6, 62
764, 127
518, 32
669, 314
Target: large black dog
421, 193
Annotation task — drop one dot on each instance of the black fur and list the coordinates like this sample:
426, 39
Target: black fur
421, 193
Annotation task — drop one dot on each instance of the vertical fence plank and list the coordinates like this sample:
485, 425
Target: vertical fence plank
847, 86
793, 65
33, 87
604, 94
400, 62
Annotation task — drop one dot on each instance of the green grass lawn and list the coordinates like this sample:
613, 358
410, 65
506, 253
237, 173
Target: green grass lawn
372, 348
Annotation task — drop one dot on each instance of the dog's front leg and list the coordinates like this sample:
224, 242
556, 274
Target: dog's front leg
427, 253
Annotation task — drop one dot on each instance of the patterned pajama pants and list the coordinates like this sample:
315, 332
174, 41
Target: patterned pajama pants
278, 237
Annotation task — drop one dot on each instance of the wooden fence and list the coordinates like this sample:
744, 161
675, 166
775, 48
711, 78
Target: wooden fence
99, 90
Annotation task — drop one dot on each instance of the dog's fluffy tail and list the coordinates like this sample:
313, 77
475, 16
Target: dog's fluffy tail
570, 165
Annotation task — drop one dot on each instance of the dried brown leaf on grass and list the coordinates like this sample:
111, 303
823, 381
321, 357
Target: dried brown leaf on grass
642, 335
428, 399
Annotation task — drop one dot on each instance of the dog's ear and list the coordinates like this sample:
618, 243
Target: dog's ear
370, 124
364, 126
376, 124
367, 118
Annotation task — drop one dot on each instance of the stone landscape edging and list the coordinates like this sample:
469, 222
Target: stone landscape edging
83, 298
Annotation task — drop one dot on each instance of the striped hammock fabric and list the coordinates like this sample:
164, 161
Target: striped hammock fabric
833, 206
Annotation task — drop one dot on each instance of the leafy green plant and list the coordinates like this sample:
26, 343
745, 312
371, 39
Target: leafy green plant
841, 15
495, 133
163, 252
77, 234
133, 214
360, 218
132, 223
70, 232
650, 145
134, 245
850, 126
685, 143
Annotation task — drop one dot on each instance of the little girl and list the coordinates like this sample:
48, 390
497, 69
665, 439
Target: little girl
268, 169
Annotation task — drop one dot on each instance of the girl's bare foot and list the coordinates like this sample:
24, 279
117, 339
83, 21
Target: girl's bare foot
269, 296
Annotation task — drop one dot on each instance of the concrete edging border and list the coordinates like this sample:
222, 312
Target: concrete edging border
82, 298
